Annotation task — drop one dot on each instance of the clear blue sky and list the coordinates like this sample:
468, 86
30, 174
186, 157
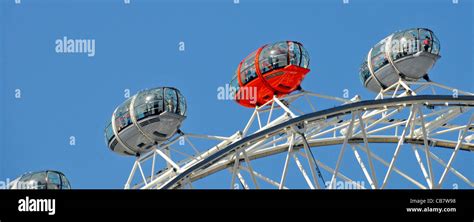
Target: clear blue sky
67, 95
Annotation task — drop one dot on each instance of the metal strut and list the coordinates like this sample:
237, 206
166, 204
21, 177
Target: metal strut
320, 175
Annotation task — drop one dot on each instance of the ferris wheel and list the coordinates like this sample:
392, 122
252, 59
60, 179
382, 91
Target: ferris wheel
410, 135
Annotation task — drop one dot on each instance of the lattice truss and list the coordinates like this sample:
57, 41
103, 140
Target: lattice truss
412, 135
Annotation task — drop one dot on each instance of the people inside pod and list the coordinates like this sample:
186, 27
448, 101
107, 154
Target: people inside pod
407, 55
272, 70
145, 119
426, 43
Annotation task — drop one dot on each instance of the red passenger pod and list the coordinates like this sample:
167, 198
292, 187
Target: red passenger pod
274, 69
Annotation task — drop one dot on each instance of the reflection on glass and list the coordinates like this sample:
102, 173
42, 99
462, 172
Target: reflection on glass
278, 55
26, 177
170, 100
295, 53
264, 62
54, 182
148, 103
402, 44
182, 104
122, 116
412, 41
43, 180
304, 58
364, 72
378, 56
234, 84
65, 183
140, 109
39, 179
247, 70
436, 44
282, 54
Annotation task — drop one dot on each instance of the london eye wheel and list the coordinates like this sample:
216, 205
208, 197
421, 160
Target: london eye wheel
415, 133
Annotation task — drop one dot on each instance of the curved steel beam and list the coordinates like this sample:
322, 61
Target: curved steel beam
432, 100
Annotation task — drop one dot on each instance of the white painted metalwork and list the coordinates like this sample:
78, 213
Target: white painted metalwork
410, 116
